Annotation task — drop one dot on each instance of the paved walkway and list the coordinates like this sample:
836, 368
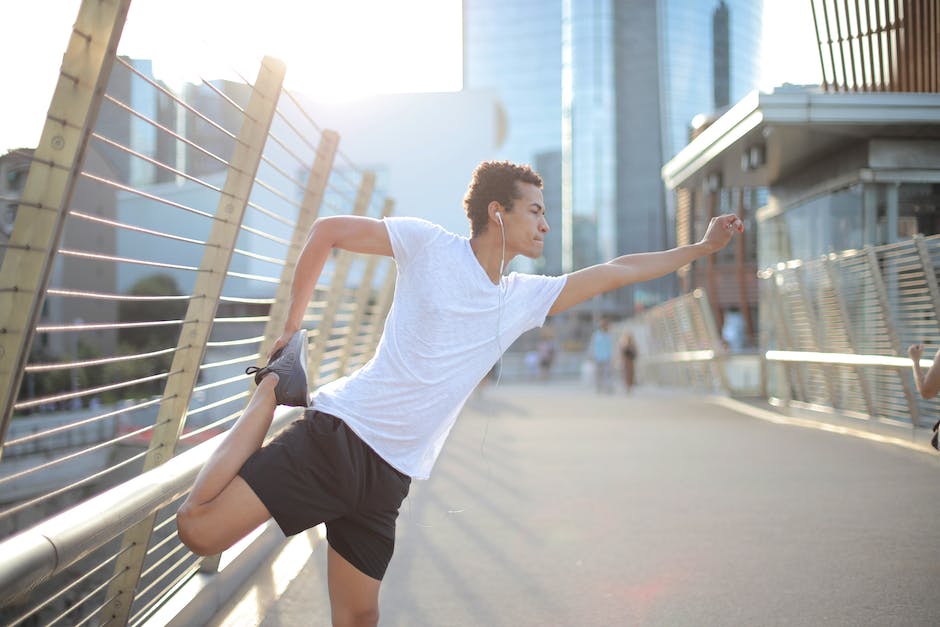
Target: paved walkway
553, 506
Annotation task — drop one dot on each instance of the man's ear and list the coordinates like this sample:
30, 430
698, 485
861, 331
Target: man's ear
493, 208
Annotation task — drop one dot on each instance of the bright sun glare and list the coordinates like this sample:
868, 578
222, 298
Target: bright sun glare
334, 49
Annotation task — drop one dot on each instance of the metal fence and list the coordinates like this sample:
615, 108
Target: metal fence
679, 345
834, 334
148, 265
837, 329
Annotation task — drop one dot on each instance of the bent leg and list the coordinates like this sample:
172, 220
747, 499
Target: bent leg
354, 596
221, 508
210, 528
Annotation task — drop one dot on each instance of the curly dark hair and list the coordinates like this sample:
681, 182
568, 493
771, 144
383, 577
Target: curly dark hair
494, 180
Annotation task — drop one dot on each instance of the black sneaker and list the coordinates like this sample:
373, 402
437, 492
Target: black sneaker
290, 365
933, 440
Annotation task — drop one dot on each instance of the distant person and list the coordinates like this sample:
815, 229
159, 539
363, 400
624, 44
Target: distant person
349, 461
546, 352
532, 363
732, 331
601, 347
628, 354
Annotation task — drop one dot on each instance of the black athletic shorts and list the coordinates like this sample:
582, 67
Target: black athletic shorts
318, 470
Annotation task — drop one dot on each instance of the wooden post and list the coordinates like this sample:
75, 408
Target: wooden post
881, 293
846, 324
197, 326
337, 284
309, 211
363, 294
50, 184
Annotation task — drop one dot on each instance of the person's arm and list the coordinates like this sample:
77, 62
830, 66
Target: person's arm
629, 269
353, 233
927, 385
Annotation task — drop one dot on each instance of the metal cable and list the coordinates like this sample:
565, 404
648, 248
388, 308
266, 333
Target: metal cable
139, 229
298, 184
214, 424
82, 393
71, 486
216, 404
228, 343
69, 586
79, 254
77, 454
105, 326
302, 110
255, 277
143, 194
277, 193
101, 361
301, 136
94, 613
270, 214
79, 423
170, 132
157, 163
176, 98
244, 253
300, 161
267, 236
188, 572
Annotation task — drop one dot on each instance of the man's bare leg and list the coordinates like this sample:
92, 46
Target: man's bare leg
222, 508
354, 596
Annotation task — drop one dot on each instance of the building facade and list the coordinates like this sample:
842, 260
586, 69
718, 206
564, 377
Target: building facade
613, 86
636, 74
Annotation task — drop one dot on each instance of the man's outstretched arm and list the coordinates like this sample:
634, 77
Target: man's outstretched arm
353, 233
622, 271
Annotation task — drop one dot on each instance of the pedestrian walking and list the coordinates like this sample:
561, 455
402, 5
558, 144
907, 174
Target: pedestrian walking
628, 355
601, 347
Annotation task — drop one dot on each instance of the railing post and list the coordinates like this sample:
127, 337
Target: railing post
817, 333
881, 293
309, 210
929, 275
846, 323
714, 338
197, 325
794, 375
362, 297
50, 184
337, 284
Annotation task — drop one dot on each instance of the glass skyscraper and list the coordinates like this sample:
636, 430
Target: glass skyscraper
613, 86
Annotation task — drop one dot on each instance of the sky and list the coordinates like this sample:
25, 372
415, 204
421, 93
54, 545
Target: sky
332, 49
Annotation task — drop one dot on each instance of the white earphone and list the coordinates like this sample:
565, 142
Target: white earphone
499, 218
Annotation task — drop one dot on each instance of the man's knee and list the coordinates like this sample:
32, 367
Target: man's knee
358, 617
190, 531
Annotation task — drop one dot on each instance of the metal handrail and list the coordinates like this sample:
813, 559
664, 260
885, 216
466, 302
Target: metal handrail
45, 550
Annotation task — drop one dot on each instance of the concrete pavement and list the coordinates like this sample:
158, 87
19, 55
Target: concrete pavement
553, 506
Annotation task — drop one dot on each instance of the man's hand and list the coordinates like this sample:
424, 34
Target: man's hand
916, 351
281, 342
720, 230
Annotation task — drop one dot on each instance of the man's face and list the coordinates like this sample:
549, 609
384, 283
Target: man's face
525, 224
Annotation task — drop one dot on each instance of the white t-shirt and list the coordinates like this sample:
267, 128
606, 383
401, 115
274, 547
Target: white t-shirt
440, 340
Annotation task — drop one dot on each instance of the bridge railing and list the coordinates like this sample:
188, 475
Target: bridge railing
837, 329
834, 333
149, 264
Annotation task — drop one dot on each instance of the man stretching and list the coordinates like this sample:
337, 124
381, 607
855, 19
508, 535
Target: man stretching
351, 458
